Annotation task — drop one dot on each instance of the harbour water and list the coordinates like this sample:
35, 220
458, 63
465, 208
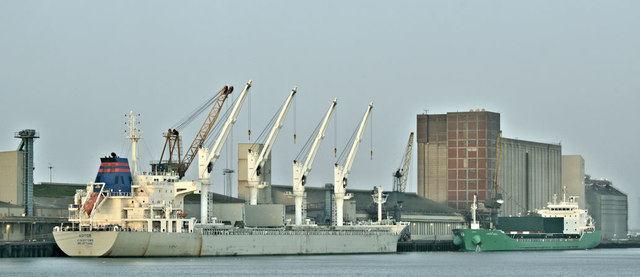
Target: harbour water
595, 262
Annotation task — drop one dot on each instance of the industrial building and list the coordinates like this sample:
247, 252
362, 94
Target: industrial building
26, 221
11, 185
458, 153
608, 207
573, 177
530, 174
457, 158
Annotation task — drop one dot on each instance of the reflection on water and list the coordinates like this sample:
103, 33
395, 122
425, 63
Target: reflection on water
595, 262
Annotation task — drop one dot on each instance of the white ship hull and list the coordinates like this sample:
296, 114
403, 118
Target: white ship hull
156, 244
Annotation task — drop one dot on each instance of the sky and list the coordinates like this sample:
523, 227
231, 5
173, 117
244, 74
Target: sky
557, 72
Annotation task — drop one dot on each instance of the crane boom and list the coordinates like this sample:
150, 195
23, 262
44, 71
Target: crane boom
173, 142
346, 169
341, 173
204, 131
400, 176
256, 161
213, 154
496, 197
496, 175
306, 169
207, 159
301, 171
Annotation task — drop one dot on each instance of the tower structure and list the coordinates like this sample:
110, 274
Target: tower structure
134, 134
457, 156
26, 147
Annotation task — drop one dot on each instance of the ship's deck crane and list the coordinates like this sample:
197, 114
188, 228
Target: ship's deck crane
206, 158
301, 171
172, 143
400, 176
341, 173
256, 160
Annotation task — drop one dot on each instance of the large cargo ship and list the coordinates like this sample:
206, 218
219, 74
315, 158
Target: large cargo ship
143, 216
124, 213
559, 226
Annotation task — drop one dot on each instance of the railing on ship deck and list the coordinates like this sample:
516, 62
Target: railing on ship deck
292, 232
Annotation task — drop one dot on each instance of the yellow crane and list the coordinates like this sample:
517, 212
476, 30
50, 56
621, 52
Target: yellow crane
173, 142
400, 176
496, 197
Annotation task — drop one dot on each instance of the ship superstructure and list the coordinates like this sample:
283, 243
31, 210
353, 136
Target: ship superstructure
576, 221
125, 214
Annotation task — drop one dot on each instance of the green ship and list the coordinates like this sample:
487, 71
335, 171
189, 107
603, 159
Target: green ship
497, 240
560, 226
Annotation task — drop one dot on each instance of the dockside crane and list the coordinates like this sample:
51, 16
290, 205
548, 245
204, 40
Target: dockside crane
256, 160
207, 158
302, 170
400, 176
341, 172
496, 197
173, 142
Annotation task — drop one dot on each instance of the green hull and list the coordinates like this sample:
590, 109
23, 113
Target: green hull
496, 240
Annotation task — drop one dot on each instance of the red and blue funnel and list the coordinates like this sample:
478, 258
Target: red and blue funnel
115, 173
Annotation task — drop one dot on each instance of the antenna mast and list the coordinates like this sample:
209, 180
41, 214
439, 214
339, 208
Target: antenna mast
134, 135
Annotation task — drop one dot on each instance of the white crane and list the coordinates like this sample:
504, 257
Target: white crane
256, 161
400, 176
206, 160
341, 173
301, 171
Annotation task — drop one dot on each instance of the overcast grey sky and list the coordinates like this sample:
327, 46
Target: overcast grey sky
556, 71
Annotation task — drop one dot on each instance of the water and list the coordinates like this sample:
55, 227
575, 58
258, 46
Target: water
595, 262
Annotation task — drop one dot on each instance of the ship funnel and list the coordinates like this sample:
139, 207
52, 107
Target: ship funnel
114, 172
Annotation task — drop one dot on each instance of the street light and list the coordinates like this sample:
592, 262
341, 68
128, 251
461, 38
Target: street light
50, 173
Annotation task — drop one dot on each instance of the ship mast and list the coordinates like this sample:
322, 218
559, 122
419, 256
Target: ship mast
474, 207
379, 199
134, 135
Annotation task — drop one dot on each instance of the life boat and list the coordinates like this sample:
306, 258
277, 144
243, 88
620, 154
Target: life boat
93, 198
181, 214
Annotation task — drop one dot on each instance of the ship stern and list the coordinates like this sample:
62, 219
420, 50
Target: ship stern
85, 243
